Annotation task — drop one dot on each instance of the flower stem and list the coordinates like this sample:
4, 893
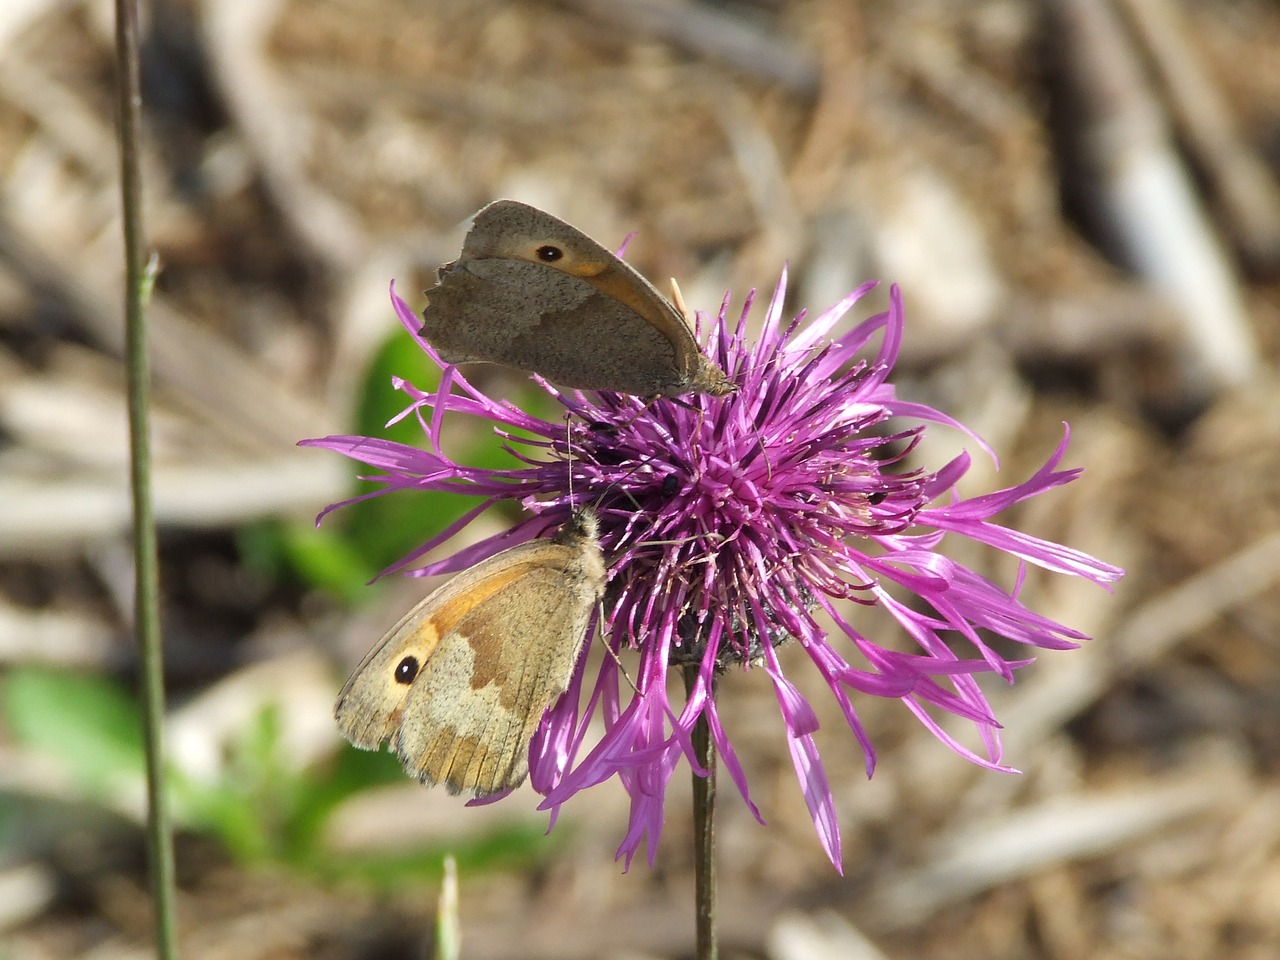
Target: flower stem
138, 277
704, 838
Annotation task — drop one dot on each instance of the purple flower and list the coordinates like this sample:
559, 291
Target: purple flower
732, 524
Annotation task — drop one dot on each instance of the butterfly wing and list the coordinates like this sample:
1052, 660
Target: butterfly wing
533, 292
459, 685
533, 317
371, 703
370, 707
477, 702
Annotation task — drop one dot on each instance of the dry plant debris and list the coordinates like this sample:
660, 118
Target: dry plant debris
1079, 199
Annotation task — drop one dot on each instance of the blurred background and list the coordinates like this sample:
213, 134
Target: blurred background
1079, 199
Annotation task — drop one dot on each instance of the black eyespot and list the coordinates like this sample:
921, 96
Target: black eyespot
549, 253
406, 670
875, 498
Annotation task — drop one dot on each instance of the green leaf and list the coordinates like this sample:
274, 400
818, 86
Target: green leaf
379, 401
366, 537
351, 772
90, 723
327, 558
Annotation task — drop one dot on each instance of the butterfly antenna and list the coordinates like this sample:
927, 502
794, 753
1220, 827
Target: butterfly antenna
568, 445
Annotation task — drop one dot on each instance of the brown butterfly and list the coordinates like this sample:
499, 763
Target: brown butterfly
461, 683
532, 292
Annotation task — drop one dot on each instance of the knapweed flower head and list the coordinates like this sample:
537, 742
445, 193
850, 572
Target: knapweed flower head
733, 524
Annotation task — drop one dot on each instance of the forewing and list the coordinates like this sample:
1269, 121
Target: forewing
371, 702
583, 338
586, 319
371, 705
475, 706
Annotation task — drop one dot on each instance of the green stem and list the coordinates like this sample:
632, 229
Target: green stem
146, 585
704, 838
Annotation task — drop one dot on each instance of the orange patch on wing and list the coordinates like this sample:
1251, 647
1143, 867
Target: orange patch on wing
586, 269
622, 288
452, 613
422, 640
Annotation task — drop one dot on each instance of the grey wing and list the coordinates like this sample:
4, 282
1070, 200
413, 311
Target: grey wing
536, 318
